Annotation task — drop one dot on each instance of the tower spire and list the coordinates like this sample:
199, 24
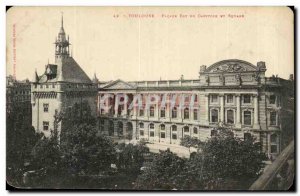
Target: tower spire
62, 19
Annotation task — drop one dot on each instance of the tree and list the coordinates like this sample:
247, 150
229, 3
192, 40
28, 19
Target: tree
84, 149
131, 157
225, 162
188, 141
20, 139
163, 173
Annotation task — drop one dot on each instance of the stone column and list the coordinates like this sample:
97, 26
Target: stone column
207, 109
124, 112
116, 105
222, 107
256, 123
238, 111
146, 115
191, 113
134, 111
179, 108
157, 108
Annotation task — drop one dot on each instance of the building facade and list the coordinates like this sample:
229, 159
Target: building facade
62, 85
231, 93
18, 99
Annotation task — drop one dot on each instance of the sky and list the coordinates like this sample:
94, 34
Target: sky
163, 43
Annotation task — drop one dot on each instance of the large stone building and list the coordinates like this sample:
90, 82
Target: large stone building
62, 85
231, 93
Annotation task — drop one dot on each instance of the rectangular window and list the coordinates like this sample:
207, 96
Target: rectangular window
247, 117
273, 119
174, 113
195, 114
186, 113
174, 136
152, 111
162, 113
162, 135
46, 107
141, 112
45, 125
214, 98
246, 98
141, 132
151, 133
229, 98
272, 99
273, 148
230, 117
214, 116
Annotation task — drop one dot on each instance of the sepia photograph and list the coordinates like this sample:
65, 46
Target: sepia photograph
150, 98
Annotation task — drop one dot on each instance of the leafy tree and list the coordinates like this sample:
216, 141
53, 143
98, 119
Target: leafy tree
225, 162
131, 157
84, 149
20, 139
188, 141
163, 173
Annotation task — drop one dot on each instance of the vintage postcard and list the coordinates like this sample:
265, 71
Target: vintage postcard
150, 98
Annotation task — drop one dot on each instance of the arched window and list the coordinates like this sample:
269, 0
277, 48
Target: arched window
186, 113
174, 128
120, 128
111, 128
162, 127
152, 111
214, 115
141, 125
174, 112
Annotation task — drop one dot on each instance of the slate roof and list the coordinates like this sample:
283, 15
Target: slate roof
67, 70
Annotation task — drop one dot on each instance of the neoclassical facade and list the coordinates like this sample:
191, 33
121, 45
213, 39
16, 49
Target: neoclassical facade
231, 93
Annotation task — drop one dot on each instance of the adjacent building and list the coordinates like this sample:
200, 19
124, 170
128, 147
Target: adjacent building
231, 93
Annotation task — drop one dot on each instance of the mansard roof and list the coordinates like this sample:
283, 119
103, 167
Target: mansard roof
231, 65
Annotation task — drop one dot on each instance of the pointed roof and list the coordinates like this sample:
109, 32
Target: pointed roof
62, 31
67, 70
118, 84
71, 72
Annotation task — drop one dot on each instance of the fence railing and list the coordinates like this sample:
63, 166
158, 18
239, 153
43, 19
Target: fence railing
273, 177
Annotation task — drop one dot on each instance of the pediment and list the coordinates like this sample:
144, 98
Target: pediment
118, 84
231, 66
